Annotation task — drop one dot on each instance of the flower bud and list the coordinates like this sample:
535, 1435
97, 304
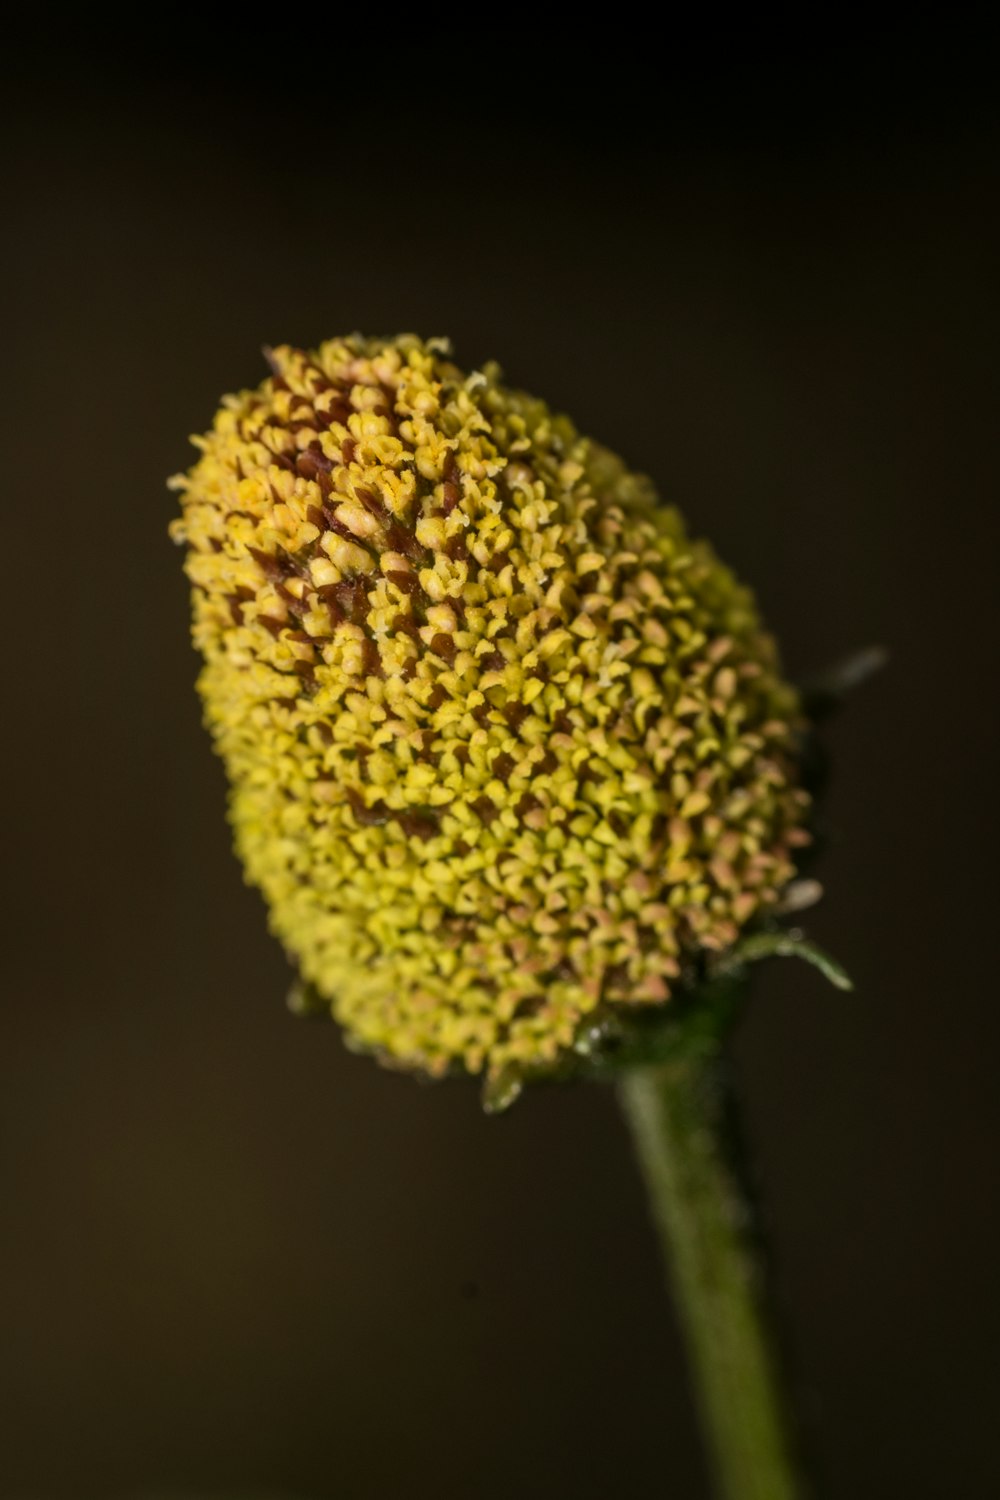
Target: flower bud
509, 753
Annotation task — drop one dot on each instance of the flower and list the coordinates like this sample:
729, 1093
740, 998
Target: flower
508, 752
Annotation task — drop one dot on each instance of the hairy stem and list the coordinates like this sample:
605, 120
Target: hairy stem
675, 1112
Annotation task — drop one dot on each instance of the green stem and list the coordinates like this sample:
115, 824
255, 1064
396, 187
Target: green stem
675, 1110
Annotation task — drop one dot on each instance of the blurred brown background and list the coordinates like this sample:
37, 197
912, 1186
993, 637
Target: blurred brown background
235, 1260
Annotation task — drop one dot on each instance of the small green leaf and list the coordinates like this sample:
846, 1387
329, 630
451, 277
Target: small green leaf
500, 1091
825, 692
788, 945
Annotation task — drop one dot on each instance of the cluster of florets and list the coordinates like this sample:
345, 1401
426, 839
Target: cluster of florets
508, 751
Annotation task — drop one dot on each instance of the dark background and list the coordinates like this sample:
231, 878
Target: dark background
233, 1258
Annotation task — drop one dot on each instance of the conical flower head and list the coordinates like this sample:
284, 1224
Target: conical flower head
508, 752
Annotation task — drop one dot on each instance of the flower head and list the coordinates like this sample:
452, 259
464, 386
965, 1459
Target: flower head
508, 751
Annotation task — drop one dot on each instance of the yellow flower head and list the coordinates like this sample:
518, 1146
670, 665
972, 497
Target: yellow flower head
508, 751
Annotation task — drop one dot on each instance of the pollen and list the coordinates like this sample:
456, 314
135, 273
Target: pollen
508, 751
